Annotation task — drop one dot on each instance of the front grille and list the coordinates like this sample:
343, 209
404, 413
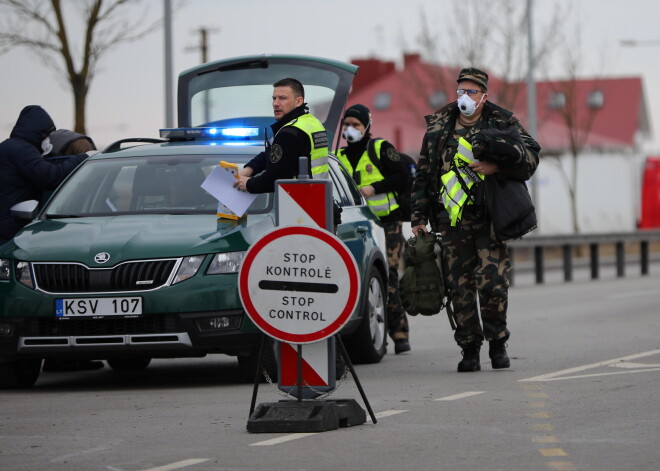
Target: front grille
77, 278
50, 327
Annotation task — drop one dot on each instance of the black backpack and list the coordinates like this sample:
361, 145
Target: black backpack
403, 197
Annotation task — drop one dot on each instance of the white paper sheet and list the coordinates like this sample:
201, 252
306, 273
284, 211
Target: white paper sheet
220, 184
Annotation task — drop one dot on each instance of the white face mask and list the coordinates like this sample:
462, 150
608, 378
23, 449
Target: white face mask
46, 146
467, 105
352, 135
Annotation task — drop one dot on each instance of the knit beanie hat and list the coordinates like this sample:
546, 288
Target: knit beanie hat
360, 112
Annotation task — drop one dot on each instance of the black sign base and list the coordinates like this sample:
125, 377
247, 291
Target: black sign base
305, 416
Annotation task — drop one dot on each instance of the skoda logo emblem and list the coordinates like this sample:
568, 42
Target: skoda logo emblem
101, 257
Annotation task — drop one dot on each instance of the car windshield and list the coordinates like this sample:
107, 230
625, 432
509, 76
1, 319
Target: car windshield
142, 185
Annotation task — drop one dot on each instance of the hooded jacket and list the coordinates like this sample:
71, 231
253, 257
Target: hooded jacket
24, 173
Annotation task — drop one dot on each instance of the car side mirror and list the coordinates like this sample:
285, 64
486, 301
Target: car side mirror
25, 209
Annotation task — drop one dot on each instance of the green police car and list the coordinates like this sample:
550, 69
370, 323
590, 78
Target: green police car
128, 261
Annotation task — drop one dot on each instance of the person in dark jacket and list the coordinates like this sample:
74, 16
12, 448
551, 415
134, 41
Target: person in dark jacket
296, 133
24, 173
67, 142
378, 171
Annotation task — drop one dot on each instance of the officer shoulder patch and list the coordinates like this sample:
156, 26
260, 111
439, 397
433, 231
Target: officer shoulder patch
393, 155
275, 153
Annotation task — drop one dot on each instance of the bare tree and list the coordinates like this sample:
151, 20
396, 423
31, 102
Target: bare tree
577, 116
44, 27
495, 41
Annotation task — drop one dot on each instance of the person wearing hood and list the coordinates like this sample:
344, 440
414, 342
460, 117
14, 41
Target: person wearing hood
379, 173
66, 142
24, 172
296, 133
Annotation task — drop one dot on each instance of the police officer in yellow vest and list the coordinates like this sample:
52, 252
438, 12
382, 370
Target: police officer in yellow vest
295, 133
379, 173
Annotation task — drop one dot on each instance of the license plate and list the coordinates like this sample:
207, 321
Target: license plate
98, 307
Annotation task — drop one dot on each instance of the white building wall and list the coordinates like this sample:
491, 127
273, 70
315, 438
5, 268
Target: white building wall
608, 194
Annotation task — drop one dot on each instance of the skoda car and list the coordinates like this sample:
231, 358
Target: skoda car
128, 260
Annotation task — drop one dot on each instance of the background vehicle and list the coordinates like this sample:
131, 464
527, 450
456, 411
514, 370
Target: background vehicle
128, 261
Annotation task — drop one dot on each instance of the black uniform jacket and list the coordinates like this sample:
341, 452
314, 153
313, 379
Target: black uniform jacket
24, 173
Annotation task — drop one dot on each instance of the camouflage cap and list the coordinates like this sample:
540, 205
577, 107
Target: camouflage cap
474, 75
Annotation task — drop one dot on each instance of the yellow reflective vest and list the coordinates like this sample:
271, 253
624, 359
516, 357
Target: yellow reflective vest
318, 138
458, 184
367, 173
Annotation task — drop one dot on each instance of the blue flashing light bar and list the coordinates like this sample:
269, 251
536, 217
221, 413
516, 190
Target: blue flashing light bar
233, 133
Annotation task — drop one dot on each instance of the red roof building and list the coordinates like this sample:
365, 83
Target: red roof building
606, 114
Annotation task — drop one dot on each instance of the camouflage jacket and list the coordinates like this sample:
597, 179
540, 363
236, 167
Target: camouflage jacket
498, 136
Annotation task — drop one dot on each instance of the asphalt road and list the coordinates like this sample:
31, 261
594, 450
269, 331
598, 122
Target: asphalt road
581, 394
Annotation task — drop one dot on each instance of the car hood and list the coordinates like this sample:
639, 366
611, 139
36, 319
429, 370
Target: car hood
134, 237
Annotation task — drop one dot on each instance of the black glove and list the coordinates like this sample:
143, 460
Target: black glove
498, 146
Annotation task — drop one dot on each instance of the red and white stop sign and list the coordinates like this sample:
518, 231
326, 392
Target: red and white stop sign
299, 284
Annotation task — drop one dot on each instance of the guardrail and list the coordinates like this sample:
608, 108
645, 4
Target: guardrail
538, 246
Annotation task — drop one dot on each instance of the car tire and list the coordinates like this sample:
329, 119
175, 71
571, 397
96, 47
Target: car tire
248, 363
368, 344
21, 373
129, 364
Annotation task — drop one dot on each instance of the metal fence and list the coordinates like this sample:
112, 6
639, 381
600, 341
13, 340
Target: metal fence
565, 246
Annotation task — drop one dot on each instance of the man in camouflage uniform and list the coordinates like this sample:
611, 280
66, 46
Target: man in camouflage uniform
474, 262
377, 169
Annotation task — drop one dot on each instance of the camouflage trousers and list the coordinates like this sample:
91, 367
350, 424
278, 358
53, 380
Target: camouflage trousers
475, 266
397, 322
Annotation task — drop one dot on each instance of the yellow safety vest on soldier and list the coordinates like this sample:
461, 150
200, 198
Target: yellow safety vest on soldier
318, 138
458, 185
367, 173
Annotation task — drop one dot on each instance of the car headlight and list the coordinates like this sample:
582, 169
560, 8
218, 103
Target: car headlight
188, 268
4, 269
23, 274
229, 262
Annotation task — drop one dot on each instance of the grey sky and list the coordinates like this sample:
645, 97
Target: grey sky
127, 97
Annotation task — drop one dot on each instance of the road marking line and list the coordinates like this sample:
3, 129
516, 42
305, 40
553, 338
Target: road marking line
537, 404
552, 452
459, 396
631, 365
542, 427
296, 436
554, 376
545, 439
561, 465
178, 464
388, 413
592, 375
284, 439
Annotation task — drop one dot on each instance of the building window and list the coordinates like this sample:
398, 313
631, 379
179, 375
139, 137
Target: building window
382, 101
596, 99
438, 99
557, 100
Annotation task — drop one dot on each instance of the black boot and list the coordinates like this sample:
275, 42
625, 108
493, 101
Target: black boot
497, 353
401, 346
470, 361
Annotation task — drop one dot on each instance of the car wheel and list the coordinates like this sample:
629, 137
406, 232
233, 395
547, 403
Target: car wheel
21, 373
248, 363
129, 364
368, 343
